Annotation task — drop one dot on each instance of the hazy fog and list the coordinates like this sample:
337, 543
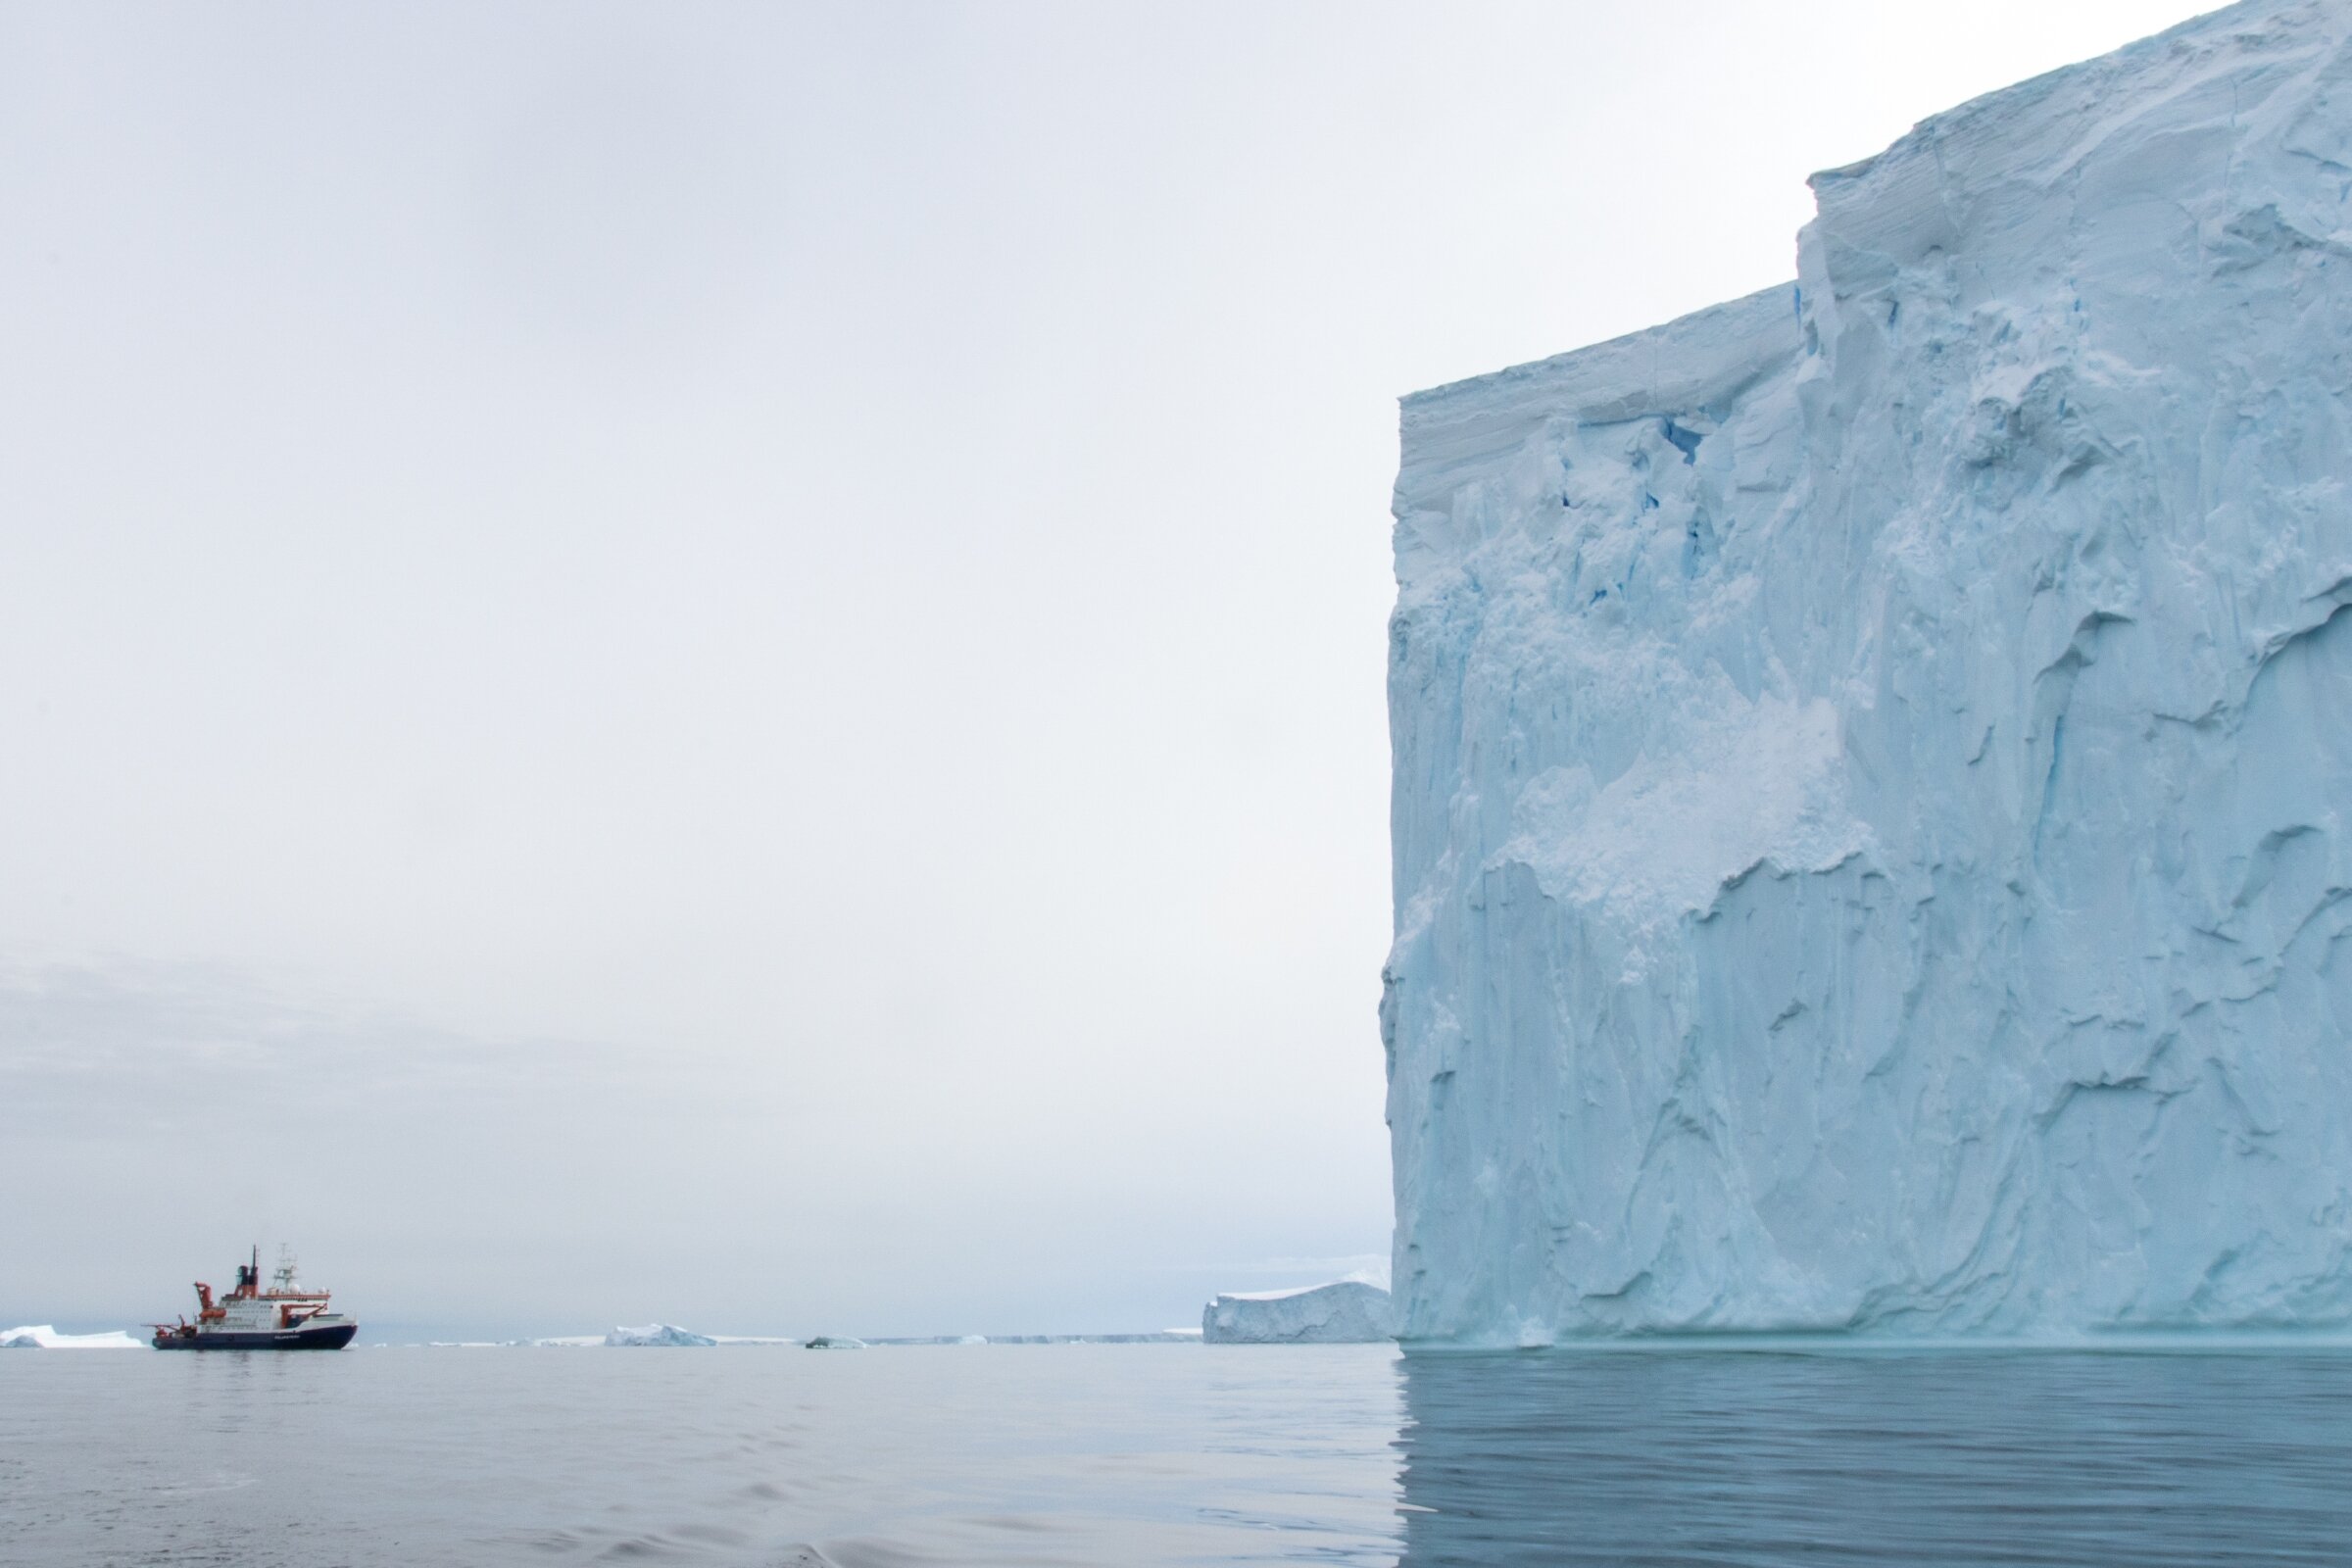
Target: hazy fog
725, 662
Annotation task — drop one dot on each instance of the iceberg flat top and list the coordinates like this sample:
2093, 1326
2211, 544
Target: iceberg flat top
1451, 431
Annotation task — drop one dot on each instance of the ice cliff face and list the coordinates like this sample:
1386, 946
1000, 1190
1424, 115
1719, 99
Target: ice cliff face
1873, 805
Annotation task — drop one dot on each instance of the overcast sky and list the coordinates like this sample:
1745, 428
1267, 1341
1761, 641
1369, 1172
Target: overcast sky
725, 661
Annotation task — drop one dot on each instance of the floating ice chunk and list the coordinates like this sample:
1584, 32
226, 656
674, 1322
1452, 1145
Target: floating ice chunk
656, 1334
1348, 1312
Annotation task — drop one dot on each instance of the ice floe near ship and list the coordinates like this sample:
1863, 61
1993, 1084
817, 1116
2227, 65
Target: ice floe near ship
44, 1337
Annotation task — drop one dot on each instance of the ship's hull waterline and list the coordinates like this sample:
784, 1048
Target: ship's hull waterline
333, 1337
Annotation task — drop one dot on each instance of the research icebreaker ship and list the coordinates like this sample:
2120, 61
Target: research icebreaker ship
284, 1318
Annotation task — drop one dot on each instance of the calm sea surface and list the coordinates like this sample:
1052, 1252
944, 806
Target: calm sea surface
1167, 1455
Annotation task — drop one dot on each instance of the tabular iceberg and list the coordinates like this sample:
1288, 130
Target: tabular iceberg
44, 1337
1348, 1312
1873, 800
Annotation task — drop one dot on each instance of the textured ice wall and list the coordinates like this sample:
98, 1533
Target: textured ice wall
1873, 759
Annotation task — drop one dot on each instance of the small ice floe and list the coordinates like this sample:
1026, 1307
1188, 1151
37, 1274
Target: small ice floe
42, 1336
656, 1334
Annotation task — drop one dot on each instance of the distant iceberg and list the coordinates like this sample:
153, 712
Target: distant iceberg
656, 1334
42, 1336
723, 1340
1348, 1312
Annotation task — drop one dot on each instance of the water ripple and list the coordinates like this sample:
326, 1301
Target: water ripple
1150, 1456
1746, 1461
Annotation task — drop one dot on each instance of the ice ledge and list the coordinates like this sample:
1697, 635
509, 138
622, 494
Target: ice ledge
1702, 360
2039, 129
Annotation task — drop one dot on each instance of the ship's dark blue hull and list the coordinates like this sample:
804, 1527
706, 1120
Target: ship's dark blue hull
332, 1338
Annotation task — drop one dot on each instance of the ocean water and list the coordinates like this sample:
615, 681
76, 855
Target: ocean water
1169, 1455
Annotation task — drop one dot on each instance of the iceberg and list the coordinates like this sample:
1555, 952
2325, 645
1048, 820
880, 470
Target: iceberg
1348, 1312
1873, 794
44, 1337
657, 1334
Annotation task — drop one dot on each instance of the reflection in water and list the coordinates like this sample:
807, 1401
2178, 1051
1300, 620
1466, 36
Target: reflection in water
1721, 1459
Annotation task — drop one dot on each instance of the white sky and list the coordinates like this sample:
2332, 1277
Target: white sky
726, 662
